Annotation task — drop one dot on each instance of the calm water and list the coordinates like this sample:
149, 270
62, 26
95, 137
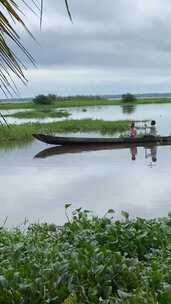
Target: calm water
160, 113
38, 188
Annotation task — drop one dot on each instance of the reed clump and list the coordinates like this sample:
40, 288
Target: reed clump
23, 133
42, 113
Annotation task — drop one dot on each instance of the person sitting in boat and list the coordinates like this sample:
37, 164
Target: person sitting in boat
133, 131
153, 130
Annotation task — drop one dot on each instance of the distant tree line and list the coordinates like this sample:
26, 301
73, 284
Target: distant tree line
51, 98
46, 100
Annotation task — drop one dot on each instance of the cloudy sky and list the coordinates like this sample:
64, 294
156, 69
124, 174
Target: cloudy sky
113, 46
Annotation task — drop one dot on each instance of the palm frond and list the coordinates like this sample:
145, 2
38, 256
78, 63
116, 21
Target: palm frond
41, 11
9, 63
68, 10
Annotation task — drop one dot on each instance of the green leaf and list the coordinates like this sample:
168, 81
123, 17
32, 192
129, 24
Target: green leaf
87, 211
67, 206
122, 294
125, 214
111, 211
3, 281
165, 297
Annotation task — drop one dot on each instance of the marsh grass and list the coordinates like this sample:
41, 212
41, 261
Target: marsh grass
87, 260
42, 113
16, 105
82, 102
23, 133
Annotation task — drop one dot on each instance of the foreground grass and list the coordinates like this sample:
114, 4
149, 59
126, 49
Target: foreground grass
39, 114
89, 260
23, 133
76, 102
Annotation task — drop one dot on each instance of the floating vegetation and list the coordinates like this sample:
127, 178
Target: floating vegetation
87, 260
39, 114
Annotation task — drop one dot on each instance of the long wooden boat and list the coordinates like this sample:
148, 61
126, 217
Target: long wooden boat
59, 140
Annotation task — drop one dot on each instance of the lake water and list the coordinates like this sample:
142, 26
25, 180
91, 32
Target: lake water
37, 188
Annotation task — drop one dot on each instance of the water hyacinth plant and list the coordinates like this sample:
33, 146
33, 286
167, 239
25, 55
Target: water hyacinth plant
87, 260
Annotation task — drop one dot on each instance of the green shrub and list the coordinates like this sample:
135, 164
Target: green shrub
128, 98
44, 100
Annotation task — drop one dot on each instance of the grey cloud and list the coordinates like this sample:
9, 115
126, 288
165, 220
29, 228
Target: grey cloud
108, 35
100, 48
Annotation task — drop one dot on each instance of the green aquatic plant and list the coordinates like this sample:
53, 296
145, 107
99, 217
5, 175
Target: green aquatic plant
87, 260
42, 113
17, 134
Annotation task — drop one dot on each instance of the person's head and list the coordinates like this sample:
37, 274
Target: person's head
154, 159
153, 122
133, 125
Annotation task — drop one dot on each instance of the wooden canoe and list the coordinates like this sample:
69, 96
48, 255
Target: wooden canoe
59, 140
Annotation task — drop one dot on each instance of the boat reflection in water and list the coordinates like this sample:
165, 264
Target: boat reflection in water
152, 155
65, 149
133, 150
150, 150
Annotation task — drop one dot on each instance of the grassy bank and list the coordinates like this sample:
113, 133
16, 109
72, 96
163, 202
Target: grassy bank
23, 133
16, 105
39, 114
81, 103
89, 260
154, 100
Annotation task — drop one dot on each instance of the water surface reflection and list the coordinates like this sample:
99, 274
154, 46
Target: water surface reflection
150, 149
150, 152
128, 108
98, 180
159, 112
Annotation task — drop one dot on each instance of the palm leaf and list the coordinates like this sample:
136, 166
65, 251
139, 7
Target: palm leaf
9, 63
67, 8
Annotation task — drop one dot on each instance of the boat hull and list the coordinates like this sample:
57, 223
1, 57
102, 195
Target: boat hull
59, 140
